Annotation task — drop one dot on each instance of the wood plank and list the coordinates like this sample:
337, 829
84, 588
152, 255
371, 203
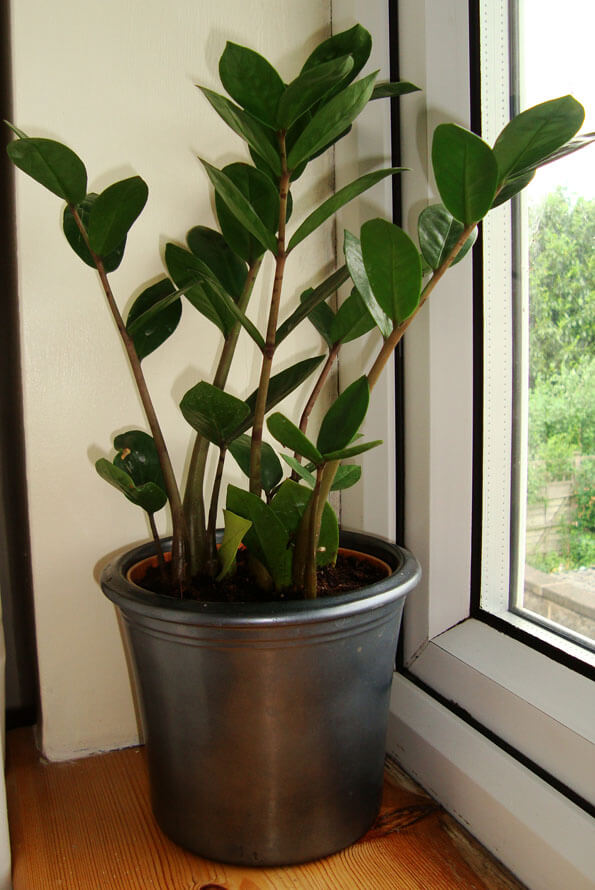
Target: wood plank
87, 825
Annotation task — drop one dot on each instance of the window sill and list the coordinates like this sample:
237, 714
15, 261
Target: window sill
88, 823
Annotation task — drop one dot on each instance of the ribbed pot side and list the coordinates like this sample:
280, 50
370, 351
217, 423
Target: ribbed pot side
265, 724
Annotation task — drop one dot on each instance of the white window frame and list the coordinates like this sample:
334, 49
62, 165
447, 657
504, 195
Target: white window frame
522, 707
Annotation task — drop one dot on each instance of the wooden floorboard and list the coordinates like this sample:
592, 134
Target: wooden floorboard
87, 825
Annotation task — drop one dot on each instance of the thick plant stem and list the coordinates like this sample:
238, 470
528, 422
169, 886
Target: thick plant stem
318, 386
158, 547
269, 349
211, 527
393, 339
179, 564
325, 476
202, 545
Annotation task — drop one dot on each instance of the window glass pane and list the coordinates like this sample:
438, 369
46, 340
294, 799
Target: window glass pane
554, 414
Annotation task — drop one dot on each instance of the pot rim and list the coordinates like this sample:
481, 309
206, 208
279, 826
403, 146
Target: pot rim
129, 596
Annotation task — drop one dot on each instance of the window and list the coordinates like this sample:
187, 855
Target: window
501, 732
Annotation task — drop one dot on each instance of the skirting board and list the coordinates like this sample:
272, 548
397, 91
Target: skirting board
544, 839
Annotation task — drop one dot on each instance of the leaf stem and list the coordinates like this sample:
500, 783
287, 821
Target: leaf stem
393, 339
211, 527
158, 547
179, 564
270, 344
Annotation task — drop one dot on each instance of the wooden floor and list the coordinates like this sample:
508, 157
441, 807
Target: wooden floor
87, 825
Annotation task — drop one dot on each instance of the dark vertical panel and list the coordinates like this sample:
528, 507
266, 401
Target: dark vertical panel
15, 563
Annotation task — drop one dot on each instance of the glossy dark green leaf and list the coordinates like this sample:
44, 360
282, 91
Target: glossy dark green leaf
393, 267
271, 471
359, 276
386, 90
352, 450
245, 125
352, 320
438, 233
113, 213
321, 316
252, 81
310, 87
346, 477
212, 248
76, 240
148, 496
267, 539
53, 165
511, 187
259, 191
240, 207
234, 530
184, 268
331, 120
466, 172
213, 413
152, 331
355, 42
137, 455
289, 435
532, 136
289, 504
344, 417
581, 141
338, 200
311, 299
300, 469
282, 385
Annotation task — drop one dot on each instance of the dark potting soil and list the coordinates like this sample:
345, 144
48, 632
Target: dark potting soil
349, 573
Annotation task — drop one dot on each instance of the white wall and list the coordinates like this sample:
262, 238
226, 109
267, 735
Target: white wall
115, 81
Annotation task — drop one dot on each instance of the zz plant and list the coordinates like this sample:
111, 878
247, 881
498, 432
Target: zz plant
287, 525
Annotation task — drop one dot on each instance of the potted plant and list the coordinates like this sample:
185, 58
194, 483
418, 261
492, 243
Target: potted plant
264, 673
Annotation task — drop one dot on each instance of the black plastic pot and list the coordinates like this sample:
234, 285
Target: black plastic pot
265, 723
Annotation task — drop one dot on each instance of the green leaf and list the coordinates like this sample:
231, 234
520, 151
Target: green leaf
153, 329
267, 539
271, 471
355, 42
511, 187
532, 136
185, 268
240, 207
213, 413
137, 455
346, 477
352, 451
76, 240
393, 267
262, 196
331, 120
148, 496
281, 385
212, 248
466, 172
235, 529
438, 233
353, 319
338, 200
313, 299
344, 417
386, 90
357, 270
252, 81
114, 212
289, 504
53, 165
246, 126
304, 473
289, 435
322, 317
310, 87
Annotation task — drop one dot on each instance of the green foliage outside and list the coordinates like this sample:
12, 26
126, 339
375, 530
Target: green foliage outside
562, 376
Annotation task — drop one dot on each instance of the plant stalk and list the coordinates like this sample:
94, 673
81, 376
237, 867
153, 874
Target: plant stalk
158, 548
212, 526
179, 564
325, 476
269, 350
201, 544
393, 339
